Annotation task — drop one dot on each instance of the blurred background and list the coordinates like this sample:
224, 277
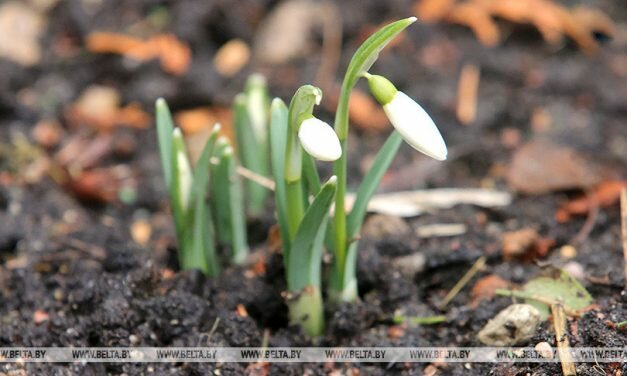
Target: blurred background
78, 80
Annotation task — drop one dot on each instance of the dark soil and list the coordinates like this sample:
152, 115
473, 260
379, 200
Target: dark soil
77, 262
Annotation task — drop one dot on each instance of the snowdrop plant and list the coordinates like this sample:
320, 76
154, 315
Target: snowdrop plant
302, 222
411, 123
306, 226
188, 187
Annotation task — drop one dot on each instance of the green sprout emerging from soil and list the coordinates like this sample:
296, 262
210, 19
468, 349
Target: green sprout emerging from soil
198, 223
290, 145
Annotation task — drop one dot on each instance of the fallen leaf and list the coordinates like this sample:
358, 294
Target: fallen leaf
99, 107
605, 194
552, 20
231, 57
541, 166
557, 286
20, 30
524, 243
433, 10
478, 20
174, 54
99, 185
485, 288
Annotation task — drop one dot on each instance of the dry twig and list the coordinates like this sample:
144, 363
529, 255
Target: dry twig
563, 347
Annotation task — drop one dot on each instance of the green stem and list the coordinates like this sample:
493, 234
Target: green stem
362, 60
295, 207
301, 106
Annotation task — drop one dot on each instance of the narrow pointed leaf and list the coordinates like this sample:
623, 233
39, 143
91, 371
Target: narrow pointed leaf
237, 218
371, 181
202, 247
278, 144
165, 127
303, 256
252, 153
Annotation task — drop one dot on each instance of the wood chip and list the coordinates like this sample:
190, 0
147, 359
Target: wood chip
413, 203
140, 231
441, 230
467, 90
231, 57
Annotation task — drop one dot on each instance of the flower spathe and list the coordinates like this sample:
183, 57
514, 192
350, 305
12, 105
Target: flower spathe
416, 126
319, 140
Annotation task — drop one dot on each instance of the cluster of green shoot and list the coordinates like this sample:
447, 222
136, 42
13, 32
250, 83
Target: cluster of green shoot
282, 142
201, 225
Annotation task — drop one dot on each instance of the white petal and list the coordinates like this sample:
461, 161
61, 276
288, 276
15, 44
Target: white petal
319, 140
416, 126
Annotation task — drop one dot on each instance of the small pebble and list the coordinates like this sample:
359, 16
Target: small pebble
545, 350
514, 325
40, 316
133, 339
568, 251
575, 269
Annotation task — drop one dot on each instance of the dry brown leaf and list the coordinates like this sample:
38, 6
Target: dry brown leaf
478, 19
433, 10
174, 54
485, 288
541, 166
605, 194
99, 107
231, 57
367, 114
525, 243
552, 20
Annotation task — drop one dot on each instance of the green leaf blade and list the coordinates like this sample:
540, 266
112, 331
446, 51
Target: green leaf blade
278, 145
303, 256
165, 127
371, 181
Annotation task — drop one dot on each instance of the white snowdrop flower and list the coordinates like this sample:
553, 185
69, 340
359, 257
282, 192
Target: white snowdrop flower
319, 140
408, 118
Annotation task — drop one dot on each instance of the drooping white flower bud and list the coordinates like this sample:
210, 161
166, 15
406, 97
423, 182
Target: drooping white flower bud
319, 140
408, 118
